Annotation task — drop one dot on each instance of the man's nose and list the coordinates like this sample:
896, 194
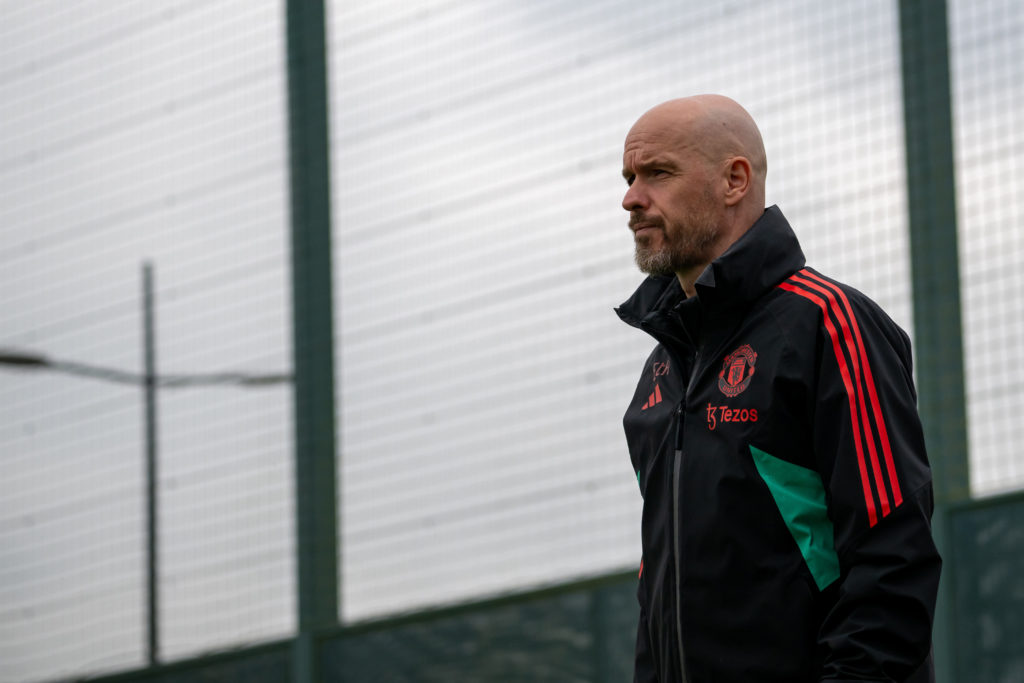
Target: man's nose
635, 198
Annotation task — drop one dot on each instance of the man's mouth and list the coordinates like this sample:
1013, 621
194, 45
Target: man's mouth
639, 228
639, 224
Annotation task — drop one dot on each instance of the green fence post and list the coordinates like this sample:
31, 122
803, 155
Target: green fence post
934, 258
313, 335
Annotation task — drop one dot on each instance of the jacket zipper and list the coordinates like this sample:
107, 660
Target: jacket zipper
676, 476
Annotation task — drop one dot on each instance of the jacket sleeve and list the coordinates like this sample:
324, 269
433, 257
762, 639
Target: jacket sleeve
871, 455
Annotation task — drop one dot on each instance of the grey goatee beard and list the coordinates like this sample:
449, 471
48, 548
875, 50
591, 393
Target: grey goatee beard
685, 253
654, 261
685, 247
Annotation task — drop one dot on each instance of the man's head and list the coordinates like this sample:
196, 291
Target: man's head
696, 169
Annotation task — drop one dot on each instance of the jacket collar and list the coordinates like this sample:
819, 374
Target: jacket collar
763, 257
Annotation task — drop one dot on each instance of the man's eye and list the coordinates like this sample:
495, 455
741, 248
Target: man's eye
658, 172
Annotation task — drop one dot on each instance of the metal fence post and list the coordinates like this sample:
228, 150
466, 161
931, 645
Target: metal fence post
149, 391
934, 257
313, 336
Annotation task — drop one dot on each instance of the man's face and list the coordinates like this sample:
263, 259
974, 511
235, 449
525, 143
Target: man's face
673, 211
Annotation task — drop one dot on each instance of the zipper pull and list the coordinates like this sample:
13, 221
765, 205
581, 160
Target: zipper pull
679, 428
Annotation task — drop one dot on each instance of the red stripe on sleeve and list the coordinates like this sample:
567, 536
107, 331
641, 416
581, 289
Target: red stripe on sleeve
869, 500
855, 357
869, 381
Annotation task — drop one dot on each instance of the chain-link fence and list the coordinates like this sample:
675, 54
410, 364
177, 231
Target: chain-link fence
478, 250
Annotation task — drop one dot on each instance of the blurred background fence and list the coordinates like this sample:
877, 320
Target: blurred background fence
365, 425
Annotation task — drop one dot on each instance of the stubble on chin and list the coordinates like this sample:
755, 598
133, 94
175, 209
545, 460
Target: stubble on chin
653, 255
677, 251
653, 260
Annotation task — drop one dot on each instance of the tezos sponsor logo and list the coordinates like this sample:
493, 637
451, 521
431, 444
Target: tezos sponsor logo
718, 414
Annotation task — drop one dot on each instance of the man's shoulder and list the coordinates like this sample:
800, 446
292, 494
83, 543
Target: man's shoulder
842, 306
827, 292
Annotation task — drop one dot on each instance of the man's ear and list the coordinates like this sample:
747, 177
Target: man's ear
738, 175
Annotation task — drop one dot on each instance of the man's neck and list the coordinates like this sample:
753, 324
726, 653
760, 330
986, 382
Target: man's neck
727, 237
688, 281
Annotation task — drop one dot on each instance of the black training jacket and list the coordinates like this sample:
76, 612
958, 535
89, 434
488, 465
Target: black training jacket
786, 490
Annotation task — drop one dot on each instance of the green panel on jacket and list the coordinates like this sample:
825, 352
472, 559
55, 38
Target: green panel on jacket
800, 497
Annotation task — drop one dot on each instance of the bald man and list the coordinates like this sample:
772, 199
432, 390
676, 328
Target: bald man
774, 433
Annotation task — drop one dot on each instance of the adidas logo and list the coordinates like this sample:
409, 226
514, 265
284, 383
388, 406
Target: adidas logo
654, 399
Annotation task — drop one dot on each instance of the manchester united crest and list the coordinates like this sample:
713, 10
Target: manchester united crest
737, 370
